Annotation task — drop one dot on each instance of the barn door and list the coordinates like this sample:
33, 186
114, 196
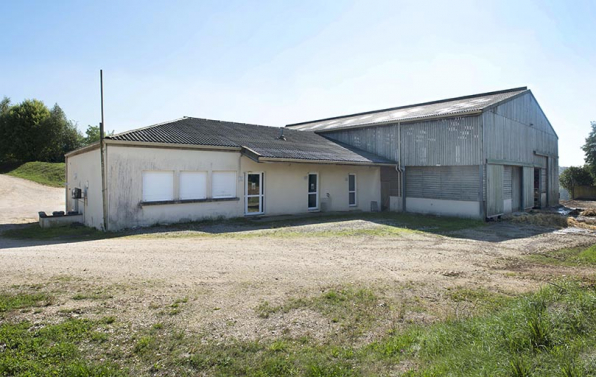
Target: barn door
494, 189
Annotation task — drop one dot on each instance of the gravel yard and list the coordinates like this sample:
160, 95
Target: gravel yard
224, 273
207, 298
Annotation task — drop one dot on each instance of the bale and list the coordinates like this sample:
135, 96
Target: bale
589, 212
549, 220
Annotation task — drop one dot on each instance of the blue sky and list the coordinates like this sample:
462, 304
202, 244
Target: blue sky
279, 62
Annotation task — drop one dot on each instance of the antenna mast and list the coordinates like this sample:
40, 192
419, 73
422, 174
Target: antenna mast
101, 154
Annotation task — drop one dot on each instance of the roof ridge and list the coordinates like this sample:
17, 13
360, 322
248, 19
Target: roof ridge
521, 88
145, 128
226, 121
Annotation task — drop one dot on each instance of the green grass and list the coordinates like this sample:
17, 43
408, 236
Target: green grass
583, 257
46, 173
9, 301
550, 332
70, 233
54, 349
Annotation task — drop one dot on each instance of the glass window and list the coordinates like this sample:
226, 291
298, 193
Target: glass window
352, 189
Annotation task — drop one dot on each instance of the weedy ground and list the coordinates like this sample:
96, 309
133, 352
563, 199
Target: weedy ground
336, 296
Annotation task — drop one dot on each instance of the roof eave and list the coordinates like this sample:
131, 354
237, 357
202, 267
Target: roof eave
147, 144
330, 162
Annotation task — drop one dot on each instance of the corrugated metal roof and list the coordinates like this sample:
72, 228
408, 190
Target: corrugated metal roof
447, 107
263, 140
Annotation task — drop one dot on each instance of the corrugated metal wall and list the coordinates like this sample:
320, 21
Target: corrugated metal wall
453, 142
514, 131
381, 140
528, 187
494, 185
507, 179
443, 182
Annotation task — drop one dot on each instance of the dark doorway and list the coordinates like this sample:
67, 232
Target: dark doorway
536, 188
389, 186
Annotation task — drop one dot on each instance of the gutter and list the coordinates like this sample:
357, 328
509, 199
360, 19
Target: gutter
125, 143
330, 162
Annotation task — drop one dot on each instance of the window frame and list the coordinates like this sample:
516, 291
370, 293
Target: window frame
355, 191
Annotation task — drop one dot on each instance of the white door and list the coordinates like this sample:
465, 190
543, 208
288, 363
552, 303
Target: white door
253, 194
313, 191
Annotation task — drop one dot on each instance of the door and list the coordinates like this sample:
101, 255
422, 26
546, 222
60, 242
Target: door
254, 194
516, 189
494, 188
313, 191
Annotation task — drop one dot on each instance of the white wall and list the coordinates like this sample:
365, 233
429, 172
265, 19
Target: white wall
285, 185
458, 208
84, 172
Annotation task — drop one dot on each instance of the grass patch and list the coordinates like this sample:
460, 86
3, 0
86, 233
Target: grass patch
46, 173
43, 350
71, 233
583, 257
353, 309
10, 301
550, 332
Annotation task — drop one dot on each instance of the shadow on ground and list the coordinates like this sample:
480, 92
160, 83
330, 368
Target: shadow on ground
382, 224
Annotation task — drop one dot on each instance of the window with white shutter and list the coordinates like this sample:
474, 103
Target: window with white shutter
193, 185
223, 184
158, 186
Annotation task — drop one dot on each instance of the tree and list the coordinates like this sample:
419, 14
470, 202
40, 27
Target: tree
589, 149
93, 135
29, 131
575, 176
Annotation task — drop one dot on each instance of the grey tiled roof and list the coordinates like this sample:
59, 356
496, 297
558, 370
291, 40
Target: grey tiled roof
447, 107
262, 140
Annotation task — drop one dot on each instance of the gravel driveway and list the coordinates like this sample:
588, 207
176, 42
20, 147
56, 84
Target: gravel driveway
226, 277
21, 200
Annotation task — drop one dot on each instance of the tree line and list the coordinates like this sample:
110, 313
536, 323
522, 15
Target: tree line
30, 131
585, 175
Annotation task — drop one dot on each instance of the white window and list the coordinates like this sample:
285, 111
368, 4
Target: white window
193, 185
223, 184
352, 190
158, 186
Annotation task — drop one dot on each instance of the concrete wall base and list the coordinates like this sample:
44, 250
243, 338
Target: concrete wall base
456, 208
54, 221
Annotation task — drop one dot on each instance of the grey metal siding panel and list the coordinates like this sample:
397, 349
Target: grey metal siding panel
553, 181
543, 180
450, 142
528, 186
517, 128
494, 200
443, 182
380, 140
507, 182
